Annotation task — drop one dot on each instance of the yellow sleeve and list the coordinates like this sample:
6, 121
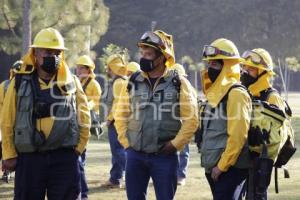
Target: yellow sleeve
188, 115
121, 115
93, 93
276, 100
1, 100
238, 123
83, 115
117, 88
8, 122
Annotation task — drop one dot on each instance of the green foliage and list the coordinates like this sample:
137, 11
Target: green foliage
82, 23
293, 63
111, 49
191, 64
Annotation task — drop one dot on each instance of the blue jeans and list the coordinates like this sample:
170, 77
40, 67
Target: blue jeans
118, 159
161, 168
83, 182
54, 172
224, 188
183, 162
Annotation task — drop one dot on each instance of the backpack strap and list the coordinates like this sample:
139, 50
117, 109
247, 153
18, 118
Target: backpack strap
86, 84
225, 98
176, 81
265, 94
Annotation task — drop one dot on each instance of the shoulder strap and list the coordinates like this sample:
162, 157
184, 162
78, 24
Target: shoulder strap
86, 84
232, 87
265, 94
132, 81
176, 81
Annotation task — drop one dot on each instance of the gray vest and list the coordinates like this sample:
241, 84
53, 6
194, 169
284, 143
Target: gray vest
214, 139
107, 99
65, 130
155, 114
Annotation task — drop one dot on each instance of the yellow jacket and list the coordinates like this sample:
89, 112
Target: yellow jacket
1, 101
117, 92
238, 110
1, 98
188, 113
44, 124
93, 92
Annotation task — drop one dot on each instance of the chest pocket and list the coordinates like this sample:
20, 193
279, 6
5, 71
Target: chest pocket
140, 98
215, 124
25, 97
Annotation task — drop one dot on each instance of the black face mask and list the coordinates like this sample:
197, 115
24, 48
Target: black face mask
146, 64
50, 64
214, 73
247, 79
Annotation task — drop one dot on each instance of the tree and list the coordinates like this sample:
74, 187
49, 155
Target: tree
111, 49
82, 23
26, 26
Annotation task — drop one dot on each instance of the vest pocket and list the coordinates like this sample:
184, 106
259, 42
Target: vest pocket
211, 157
168, 130
24, 98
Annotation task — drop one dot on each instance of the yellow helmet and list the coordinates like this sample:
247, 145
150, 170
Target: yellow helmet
117, 65
49, 38
133, 67
221, 48
161, 41
86, 61
180, 69
258, 58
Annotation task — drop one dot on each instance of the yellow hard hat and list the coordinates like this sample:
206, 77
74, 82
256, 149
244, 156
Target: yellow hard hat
221, 48
161, 41
117, 65
180, 69
49, 38
86, 61
258, 58
133, 67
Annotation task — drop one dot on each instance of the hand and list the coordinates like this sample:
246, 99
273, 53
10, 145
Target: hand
215, 173
168, 148
77, 152
108, 123
9, 164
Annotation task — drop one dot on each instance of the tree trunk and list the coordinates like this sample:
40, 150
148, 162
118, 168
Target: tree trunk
26, 40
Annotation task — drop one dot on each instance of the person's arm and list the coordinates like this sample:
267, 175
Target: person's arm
117, 89
188, 115
238, 123
121, 114
93, 94
84, 118
8, 122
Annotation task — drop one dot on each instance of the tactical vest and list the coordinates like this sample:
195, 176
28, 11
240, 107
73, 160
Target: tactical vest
65, 130
155, 113
214, 138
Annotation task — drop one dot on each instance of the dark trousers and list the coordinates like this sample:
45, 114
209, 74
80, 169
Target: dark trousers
224, 188
55, 173
83, 182
161, 168
118, 156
